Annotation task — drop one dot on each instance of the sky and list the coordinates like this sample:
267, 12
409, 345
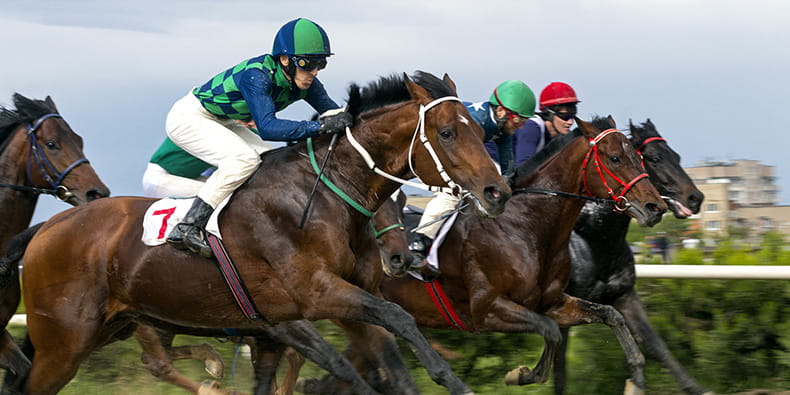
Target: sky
712, 75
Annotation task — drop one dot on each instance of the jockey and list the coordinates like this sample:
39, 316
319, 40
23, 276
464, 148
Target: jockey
557, 110
509, 106
211, 125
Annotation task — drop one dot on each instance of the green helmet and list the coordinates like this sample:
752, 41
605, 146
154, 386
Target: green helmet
515, 96
301, 37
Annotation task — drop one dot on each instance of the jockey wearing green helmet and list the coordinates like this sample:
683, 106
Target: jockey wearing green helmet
224, 123
509, 106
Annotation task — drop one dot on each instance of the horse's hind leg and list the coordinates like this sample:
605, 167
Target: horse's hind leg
636, 318
11, 357
295, 362
574, 311
560, 364
212, 361
157, 360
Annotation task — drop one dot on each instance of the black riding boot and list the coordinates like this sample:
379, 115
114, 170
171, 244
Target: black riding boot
190, 232
419, 248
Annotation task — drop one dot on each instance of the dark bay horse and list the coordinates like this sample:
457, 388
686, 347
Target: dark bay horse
82, 291
602, 264
39, 154
508, 274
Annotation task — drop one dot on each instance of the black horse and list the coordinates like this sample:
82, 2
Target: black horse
602, 268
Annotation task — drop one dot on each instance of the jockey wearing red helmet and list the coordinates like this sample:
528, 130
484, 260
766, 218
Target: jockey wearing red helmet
557, 113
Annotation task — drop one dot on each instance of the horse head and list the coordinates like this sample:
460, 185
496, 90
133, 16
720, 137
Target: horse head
390, 231
662, 163
612, 169
457, 151
54, 157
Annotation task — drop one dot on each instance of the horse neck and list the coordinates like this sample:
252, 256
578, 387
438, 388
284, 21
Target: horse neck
16, 207
562, 172
386, 136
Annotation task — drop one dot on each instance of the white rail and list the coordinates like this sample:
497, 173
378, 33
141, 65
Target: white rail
714, 272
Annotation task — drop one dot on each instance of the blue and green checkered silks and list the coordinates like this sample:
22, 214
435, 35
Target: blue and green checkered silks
221, 96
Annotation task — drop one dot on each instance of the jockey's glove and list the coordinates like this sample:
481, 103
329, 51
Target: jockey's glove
334, 121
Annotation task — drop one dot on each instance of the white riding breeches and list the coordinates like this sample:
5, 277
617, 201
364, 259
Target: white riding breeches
224, 143
441, 204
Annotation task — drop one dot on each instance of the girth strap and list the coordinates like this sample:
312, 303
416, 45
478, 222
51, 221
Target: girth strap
235, 283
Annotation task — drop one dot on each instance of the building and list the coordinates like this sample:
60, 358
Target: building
742, 194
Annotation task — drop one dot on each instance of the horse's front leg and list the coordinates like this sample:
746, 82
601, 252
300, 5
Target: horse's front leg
503, 315
572, 311
336, 298
632, 309
303, 337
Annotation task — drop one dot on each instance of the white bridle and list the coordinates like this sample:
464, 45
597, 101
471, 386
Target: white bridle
451, 188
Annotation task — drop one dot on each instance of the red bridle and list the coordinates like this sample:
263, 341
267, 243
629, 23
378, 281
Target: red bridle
642, 146
620, 201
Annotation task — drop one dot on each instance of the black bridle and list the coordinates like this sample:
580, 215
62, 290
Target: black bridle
51, 175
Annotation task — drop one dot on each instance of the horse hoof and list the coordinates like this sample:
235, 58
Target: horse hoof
215, 369
632, 389
512, 377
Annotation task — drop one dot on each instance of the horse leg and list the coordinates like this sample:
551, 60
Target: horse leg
157, 359
11, 356
14, 383
375, 354
560, 368
636, 318
295, 363
303, 337
574, 311
340, 299
265, 354
212, 361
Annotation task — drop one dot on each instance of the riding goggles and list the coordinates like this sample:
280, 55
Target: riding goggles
565, 116
309, 63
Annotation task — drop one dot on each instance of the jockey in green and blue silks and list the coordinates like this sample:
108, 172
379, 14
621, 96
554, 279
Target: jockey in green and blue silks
224, 122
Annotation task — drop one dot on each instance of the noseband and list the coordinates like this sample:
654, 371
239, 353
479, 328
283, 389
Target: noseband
620, 201
53, 177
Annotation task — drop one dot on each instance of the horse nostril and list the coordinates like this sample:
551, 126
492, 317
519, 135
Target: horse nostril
654, 208
493, 194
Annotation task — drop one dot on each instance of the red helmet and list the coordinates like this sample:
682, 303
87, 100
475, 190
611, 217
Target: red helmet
557, 93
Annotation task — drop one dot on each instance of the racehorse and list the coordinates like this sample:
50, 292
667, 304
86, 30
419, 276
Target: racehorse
389, 231
82, 291
507, 274
602, 264
39, 154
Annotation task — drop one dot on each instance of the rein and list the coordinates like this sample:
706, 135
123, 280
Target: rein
620, 201
60, 191
452, 187
562, 194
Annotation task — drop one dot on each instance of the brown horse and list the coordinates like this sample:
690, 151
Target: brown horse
508, 274
81, 290
389, 231
39, 154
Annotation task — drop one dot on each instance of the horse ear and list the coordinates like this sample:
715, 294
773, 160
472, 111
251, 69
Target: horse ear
587, 128
417, 92
450, 83
612, 124
649, 123
51, 104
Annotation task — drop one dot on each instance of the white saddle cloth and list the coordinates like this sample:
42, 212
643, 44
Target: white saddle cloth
166, 213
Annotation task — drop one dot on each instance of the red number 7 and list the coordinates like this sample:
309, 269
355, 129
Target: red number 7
167, 213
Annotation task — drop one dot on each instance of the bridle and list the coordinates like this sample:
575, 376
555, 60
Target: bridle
644, 144
620, 201
451, 188
51, 175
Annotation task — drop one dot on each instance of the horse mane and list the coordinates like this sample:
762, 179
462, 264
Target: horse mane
392, 89
555, 145
643, 131
27, 110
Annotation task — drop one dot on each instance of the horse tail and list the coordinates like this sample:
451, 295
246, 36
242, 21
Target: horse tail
9, 263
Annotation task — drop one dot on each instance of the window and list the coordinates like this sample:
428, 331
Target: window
711, 207
712, 225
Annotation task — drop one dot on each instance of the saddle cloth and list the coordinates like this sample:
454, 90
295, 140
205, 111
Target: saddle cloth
164, 214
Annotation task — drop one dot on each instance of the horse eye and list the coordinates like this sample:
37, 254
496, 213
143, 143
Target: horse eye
447, 134
51, 144
615, 159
